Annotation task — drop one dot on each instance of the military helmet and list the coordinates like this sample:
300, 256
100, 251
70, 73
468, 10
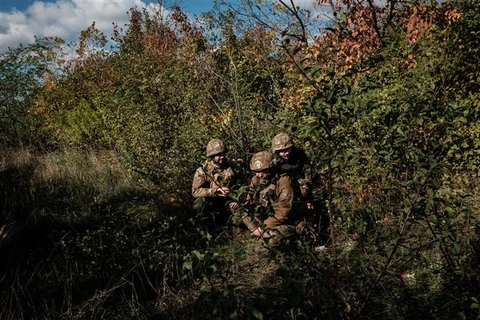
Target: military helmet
281, 141
261, 161
215, 146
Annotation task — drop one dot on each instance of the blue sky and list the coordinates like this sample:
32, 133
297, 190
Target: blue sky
21, 20
192, 6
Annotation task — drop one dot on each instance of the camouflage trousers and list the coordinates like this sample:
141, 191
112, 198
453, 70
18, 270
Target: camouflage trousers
272, 236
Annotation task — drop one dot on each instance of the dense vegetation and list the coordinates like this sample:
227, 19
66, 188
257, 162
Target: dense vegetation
98, 150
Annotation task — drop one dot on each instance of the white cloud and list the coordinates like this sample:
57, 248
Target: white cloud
321, 12
63, 18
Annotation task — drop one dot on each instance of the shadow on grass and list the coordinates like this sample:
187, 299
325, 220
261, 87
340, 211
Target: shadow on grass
70, 251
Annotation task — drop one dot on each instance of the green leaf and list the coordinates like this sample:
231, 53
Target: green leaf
198, 254
187, 265
257, 314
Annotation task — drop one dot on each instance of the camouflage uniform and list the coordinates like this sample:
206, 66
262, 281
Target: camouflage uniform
209, 180
287, 204
257, 197
297, 164
258, 203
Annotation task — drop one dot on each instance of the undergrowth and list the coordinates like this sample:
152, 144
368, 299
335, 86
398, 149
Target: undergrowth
88, 239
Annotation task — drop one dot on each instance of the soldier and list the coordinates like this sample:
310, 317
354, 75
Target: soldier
287, 203
288, 158
212, 182
257, 198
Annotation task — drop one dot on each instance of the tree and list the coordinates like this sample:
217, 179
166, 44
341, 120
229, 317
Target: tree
22, 74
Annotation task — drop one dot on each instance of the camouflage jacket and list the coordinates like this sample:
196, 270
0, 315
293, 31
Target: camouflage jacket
259, 189
209, 178
288, 203
298, 167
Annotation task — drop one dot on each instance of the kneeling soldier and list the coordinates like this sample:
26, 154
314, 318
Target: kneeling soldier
212, 181
286, 201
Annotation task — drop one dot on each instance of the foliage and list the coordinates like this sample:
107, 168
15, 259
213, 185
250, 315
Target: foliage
384, 100
21, 72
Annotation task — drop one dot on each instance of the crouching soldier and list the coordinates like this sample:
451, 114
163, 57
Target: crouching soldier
286, 201
212, 182
258, 195
288, 158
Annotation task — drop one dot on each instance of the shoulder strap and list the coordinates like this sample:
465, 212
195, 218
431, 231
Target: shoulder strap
208, 168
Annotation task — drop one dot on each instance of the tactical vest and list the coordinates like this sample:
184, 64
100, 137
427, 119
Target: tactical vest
216, 176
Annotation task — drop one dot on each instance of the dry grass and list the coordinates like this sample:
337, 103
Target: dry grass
102, 169
14, 158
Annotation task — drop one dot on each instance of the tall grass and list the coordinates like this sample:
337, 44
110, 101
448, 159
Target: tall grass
88, 239
78, 224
